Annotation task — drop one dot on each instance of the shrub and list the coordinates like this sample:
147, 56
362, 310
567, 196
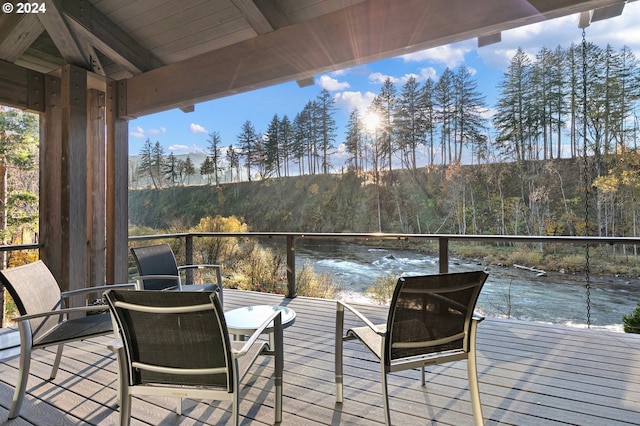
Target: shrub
381, 289
631, 322
311, 284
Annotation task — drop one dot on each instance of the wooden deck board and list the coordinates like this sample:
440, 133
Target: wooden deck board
530, 374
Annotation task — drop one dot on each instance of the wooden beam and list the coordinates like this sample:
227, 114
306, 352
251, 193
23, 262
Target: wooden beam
17, 33
91, 24
253, 15
62, 37
365, 32
21, 88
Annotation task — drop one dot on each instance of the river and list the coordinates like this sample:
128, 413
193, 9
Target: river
509, 292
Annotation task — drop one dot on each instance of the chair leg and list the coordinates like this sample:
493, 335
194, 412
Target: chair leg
338, 352
235, 404
385, 397
125, 408
56, 363
422, 380
474, 389
278, 348
21, 384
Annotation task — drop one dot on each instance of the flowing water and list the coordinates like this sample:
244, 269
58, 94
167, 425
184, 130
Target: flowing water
509, 292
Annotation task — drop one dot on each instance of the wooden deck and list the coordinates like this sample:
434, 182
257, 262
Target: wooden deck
530, 374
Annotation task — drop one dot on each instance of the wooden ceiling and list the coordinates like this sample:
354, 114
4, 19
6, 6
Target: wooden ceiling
170, 53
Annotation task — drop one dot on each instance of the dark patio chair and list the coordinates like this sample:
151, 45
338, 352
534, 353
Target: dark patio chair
159, 270
177, 344
44, 318
431, 321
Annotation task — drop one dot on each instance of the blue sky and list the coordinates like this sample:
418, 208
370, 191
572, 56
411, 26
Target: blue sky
182, 133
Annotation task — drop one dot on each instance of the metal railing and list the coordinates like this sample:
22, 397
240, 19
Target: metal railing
443, 241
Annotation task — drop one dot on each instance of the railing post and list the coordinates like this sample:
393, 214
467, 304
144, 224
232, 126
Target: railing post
189, 257
291, 268
443, 255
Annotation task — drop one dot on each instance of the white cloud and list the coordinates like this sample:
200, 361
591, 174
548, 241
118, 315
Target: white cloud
350, 100
178, 148
161, 130
450, 55
332, 84
197, 128
137, 132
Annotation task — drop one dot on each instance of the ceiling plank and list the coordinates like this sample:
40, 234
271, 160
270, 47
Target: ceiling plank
62, 37
107, 37
17, 33
362, 33
253, 15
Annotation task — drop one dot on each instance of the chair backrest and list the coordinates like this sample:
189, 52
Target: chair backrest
432, 313
34, 290
182, 330
156, 260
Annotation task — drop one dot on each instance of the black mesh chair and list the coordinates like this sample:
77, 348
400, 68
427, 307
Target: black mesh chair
44, 318
431, 321
177, 343
159, 270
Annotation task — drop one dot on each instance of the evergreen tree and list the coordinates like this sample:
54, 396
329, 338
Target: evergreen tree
189, 169
152, 162
443, 95
234, 161
409, 121
428, 108
354, 141
286, 135
512, 107
249, 146
207, 169
386, 102
215, 156
272, 147
326, 127
470, 107
171, 170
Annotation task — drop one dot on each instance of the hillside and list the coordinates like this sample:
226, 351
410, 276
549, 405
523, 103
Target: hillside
535, 198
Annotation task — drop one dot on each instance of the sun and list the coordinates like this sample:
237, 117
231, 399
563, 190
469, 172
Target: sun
371, 120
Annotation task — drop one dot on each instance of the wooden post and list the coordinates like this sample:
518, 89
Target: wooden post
96, 186
443, 256
117, 185
291, 268
63, 190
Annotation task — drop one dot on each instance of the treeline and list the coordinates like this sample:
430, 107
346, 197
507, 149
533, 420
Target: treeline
562, 103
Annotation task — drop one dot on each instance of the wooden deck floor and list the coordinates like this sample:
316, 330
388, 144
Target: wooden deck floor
530, 374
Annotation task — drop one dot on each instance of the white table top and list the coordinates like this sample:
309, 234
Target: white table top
246, 320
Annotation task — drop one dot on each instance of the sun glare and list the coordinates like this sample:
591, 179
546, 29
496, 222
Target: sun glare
371, 121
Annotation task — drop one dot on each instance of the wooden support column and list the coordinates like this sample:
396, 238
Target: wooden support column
117, 184
63, 202
96, 186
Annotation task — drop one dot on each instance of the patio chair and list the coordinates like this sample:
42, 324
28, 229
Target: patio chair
159, 270
430, 321
177, 344
44, 318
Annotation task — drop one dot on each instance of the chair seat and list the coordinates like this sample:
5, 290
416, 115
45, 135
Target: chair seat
200, 287
74, 329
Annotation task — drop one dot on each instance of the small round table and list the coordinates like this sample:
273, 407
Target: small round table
245, 321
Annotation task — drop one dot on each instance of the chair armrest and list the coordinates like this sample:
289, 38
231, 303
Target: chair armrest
276, 316
218, 269
62, 312
202, 266
116, 345
477, 317
364, 319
